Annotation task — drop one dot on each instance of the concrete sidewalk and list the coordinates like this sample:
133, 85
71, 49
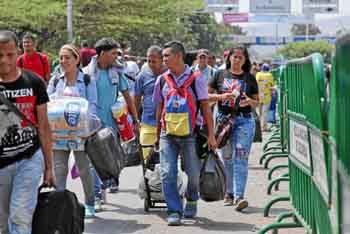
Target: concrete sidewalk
124, 212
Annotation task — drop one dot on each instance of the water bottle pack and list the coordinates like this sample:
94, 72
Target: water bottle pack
71, 121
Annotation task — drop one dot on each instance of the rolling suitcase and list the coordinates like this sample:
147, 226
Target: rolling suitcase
105, 153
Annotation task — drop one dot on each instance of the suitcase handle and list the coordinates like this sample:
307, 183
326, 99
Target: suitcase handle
41, 187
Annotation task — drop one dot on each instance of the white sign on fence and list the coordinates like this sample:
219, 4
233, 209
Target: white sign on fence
270, 6
299, 144
222, 5
319, 164
320, 6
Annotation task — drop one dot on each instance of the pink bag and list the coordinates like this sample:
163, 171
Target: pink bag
74, 172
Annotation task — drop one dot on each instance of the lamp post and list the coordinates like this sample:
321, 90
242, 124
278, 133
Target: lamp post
70, 20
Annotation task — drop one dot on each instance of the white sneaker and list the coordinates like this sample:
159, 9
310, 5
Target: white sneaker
104, 196
98, 205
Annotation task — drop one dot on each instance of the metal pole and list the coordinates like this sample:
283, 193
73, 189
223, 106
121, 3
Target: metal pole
276, 44
70, 20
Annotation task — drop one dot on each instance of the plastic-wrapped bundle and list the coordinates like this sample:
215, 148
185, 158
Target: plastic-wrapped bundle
155, 184
70, 121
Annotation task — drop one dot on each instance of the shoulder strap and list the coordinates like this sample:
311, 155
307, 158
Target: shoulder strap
169, 80
42, 60
87, 79
55, 81
129, 77
192, 85
14, 109
190, 80
21, 61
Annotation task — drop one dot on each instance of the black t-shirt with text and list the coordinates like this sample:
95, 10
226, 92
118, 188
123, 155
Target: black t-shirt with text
224, 81
19, 140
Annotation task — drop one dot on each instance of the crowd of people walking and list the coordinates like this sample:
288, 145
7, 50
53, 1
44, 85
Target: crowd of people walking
168, 99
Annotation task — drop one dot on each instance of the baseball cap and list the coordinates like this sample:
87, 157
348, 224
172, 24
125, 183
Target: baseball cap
226, 53
265, 67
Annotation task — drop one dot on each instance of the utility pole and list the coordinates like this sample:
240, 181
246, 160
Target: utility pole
70, 20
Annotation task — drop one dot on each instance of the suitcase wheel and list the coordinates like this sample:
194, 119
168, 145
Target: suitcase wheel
146, 205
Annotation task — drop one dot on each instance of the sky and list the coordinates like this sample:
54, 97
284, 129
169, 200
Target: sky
344, 6
327, 22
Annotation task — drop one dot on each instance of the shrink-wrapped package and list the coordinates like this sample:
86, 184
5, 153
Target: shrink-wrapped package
71, 122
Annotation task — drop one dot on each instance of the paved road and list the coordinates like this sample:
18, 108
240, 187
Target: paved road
124, 212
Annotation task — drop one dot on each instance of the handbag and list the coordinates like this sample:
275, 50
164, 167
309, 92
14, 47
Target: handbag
223, 130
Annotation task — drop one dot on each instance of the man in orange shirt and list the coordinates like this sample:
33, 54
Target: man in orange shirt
32, 60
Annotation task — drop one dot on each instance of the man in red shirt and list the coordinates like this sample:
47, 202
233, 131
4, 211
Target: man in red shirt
86, 53
32, 60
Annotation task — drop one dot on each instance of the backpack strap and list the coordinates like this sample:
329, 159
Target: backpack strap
190, 82
21, 61
87, 79
42, 60
129, 77
193, 84
56, 80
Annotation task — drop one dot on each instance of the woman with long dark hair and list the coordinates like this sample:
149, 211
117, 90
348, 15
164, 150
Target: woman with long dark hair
237, 95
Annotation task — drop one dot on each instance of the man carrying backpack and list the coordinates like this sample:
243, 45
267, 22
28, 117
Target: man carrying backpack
25, 140
179, 93
32, 60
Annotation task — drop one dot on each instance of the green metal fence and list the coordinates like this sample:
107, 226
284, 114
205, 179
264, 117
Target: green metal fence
339, 137
306, 134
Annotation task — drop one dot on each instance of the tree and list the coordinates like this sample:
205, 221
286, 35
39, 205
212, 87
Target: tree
300, 29
303, 49
138, 23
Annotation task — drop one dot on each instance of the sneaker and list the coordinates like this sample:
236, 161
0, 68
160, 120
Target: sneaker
228, 200
113, 189
174, 219
241, 204
103, 196
89, 211
190, 209
98, 204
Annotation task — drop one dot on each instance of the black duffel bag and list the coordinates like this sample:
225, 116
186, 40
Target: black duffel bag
212, 184
58, 212
105, 153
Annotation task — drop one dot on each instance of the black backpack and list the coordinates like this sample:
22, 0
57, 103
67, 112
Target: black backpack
58, 212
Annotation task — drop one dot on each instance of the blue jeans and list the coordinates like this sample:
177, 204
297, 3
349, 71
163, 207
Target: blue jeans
99, 184
235, 155
170, 148
19, 184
